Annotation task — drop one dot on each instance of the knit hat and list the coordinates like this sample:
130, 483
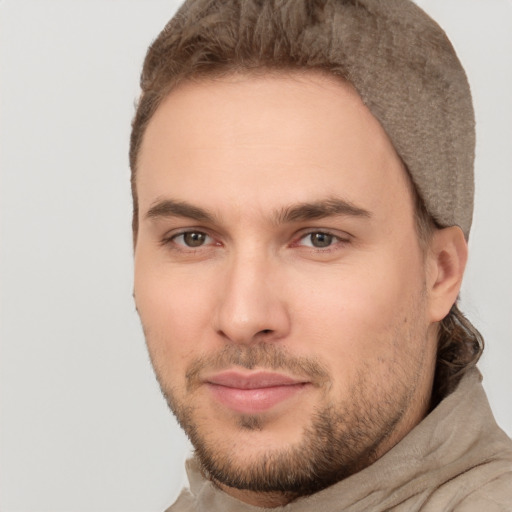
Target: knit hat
398, 59
408, 74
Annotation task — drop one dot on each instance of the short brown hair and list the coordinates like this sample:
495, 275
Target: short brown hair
220, 37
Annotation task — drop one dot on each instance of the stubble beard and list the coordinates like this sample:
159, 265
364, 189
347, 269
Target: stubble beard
340, 439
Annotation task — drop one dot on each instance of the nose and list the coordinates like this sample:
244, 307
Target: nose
252, 301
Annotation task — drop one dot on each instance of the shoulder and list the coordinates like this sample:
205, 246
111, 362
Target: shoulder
483, 486
185, 503
495, 495
486, 487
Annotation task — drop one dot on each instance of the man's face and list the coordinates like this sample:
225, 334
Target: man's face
280, 281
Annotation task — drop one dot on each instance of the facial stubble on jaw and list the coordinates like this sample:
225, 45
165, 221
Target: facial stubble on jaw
340, 439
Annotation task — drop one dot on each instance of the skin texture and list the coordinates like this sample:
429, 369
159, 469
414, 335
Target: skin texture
337, 296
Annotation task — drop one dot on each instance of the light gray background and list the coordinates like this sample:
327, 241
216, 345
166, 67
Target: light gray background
83, 426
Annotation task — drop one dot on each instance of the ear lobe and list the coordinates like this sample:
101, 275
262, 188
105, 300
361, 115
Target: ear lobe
448, 255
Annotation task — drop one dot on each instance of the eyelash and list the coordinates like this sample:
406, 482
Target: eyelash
171, 240
336, 241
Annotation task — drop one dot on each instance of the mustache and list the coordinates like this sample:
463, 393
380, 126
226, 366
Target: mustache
268, 356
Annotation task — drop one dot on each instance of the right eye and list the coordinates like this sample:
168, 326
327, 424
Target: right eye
319, 240
192, 239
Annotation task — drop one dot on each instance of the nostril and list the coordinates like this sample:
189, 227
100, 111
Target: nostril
266, 331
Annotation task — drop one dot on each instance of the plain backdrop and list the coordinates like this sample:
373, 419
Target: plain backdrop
83, 427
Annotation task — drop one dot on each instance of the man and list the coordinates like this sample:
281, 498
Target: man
302, 176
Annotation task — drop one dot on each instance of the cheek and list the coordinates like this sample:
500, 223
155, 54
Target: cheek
175, 310
359, 313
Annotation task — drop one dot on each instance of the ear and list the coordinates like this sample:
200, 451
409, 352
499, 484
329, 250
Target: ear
447, 257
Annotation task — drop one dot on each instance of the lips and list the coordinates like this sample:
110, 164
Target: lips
251, 393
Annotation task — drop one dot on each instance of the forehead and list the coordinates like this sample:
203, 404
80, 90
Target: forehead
262, 141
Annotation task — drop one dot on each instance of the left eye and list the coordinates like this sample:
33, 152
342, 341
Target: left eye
192, 239
318, 240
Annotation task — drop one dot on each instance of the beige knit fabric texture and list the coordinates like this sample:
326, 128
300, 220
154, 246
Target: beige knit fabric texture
410, 77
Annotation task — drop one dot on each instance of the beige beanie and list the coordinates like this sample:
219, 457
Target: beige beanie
399, 60
408, 74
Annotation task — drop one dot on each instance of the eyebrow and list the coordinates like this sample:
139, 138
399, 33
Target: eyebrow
320, 209
170, 208
300, 212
